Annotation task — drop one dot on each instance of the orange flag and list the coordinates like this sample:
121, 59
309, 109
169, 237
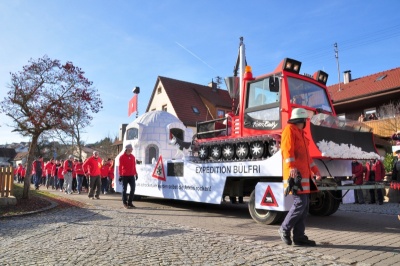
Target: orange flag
133, 105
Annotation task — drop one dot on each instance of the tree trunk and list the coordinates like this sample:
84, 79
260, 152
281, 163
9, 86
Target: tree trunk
28, 175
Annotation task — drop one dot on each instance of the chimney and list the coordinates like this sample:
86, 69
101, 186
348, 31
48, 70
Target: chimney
122, 130
347, 77
213, 86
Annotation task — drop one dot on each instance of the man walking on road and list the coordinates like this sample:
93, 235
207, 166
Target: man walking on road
68, 168
127, 175
93, 165
298, 169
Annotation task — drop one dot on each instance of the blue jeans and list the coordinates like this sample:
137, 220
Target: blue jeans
38, 179
295, 219
79, 179
125, 181
104, 184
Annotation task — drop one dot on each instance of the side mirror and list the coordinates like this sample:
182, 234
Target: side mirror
274, 84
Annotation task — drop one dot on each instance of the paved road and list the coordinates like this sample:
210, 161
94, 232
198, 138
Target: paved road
160, 232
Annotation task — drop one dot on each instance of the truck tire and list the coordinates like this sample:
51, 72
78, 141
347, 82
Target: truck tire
263, 216
322, 204
337, 195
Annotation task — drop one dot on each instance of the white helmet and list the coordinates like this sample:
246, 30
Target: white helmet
298, 115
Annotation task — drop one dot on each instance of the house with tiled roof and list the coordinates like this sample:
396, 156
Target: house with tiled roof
189, 102
372, 94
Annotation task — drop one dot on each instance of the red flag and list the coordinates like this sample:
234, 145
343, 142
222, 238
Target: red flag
132, 105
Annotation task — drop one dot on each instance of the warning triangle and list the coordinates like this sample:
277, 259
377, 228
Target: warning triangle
269, 199
159, 170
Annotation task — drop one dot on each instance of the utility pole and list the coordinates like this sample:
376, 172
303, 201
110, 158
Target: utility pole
337, 62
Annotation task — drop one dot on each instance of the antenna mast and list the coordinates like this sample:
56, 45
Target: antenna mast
337, 62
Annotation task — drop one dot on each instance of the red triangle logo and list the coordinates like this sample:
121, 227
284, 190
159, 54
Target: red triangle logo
269, 199
159, 170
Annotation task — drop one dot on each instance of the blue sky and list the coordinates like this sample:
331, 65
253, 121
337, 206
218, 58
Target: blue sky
123, 44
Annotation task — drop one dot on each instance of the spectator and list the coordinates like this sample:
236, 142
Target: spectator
18, 173
396, 137
68, 168
372, 117
104, 176
80, 174
49, 177
38, 166
396, 168
93, 165
54, 173
358, 178
375, 172
361, 118
127, 175
60, 176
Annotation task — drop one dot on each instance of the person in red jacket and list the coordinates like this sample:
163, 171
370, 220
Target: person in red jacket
23, 172
127, 175
358, 178
60, 175
375, 172
18, 172
80, 174
111, 177
104, 176
68, 168
38, 166
93, 165
49, 177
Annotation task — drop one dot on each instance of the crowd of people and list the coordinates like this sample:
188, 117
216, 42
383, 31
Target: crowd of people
93, 176
370, 117
71, 175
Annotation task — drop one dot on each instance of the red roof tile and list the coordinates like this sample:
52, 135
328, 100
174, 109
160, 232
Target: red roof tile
384, 81
185, 95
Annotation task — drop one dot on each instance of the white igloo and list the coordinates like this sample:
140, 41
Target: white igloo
151, 134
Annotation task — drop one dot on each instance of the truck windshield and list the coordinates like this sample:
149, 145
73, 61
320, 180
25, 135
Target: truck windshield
308, 94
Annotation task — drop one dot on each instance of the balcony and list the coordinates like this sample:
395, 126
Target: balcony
384, 127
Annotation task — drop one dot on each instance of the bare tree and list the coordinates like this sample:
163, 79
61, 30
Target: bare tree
43, 97
391, 113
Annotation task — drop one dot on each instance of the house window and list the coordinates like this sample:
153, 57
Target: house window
371, 114
159, 90
220, 113
195, 110
164, 108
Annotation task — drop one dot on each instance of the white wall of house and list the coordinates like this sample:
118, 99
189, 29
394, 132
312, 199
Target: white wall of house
161, 100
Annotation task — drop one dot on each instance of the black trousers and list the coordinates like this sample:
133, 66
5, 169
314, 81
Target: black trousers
132, 183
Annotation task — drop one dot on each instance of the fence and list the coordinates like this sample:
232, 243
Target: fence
6, 181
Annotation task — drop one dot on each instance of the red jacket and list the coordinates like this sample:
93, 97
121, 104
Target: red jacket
60, 173
79, 169
378, 168
127, 165
105, 169
358, 170
68, 166
48, 167
93, 165
23, 172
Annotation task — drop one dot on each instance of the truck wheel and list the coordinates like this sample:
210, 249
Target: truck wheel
242, 150
262, 216
228, 151
203, 152
273, 147
322, 203
257, 149
337, 194
215, 152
